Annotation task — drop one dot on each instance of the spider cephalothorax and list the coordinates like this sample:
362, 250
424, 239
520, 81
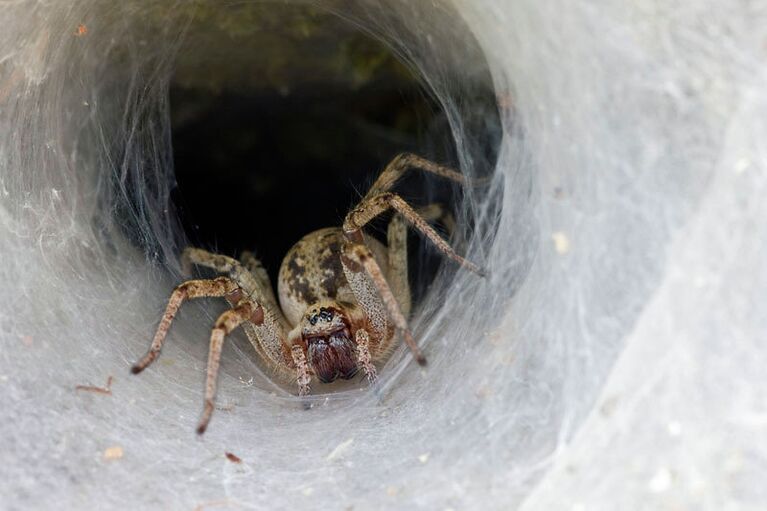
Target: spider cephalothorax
343, 296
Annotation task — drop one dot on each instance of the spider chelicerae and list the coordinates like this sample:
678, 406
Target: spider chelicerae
343, 296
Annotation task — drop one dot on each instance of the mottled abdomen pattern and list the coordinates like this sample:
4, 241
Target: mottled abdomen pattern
312, 271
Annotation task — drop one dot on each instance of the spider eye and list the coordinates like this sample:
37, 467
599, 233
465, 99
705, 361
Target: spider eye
313, 319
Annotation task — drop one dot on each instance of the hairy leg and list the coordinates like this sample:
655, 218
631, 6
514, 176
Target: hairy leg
357, 257
405, 161
269, 348
362, 338
377, 200
302, 369
371, 207
267, 337
257, 270
221, 286
254, 283
246, 310
397, 274
359, 266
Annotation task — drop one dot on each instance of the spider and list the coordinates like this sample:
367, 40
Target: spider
344, 296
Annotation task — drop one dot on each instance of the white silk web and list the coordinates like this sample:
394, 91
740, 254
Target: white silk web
614, 359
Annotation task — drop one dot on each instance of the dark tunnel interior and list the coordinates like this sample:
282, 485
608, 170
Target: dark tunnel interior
261, 162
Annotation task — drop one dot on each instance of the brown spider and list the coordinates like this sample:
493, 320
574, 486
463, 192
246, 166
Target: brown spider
343, 294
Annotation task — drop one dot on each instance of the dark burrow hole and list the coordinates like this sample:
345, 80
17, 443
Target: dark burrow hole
265, 153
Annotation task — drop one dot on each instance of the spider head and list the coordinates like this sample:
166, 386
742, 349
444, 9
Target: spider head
331, 351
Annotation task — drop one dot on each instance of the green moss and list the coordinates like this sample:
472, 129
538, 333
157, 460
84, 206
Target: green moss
277, 46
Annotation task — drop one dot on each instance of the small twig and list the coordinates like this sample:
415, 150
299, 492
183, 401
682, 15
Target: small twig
107, 390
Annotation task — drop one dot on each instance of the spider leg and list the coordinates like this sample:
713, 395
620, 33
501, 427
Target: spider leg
397, 276
302, 368
405, 161
268, 337
248, 274
362, 338
397, 250
387, 179
371, 207
396, 240
356, 258
246, 310
220, 286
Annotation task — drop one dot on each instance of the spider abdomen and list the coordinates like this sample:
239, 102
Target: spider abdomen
311, 272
